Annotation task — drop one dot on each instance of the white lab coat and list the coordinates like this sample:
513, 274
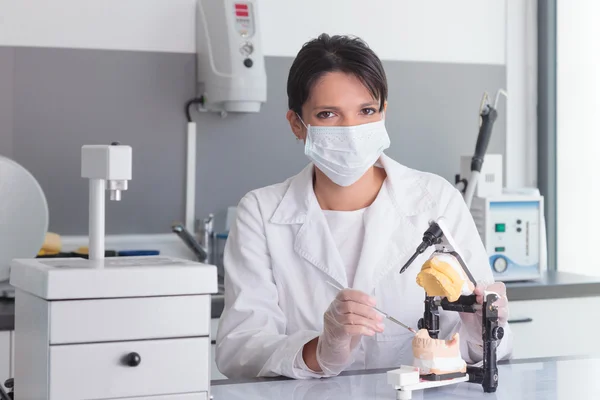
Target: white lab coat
280, 254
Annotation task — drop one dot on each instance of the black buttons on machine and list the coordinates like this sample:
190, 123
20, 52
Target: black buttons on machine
248, 62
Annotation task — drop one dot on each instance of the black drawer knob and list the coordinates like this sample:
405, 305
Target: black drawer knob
132, 359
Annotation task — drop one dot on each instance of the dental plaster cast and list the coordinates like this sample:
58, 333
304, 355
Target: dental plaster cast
433, 356
442, 275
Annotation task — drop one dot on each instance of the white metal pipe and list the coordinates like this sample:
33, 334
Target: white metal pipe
96, 219
471, 185
190, 185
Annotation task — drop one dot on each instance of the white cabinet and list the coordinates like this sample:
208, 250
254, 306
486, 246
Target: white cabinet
5, 356
558, 327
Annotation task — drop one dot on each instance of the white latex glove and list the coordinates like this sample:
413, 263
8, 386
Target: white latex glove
349, 316
472, 322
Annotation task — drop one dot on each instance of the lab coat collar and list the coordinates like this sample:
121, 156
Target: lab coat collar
406, 189
296, 201
313, 241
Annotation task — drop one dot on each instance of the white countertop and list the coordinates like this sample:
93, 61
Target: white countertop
550, 379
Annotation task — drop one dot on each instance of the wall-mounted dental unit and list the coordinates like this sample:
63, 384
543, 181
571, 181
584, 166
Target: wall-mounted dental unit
231, 67
230, 73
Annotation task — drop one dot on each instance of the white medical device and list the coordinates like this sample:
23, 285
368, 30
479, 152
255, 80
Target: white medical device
513, 232
490, 179
111, 328
231, 68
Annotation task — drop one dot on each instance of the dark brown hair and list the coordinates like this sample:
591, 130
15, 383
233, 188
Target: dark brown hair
334, 53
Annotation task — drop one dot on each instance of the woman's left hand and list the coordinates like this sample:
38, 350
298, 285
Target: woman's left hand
501, 303
472, 322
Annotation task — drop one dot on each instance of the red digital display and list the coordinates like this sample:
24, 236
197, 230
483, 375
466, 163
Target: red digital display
241, 6
241, 13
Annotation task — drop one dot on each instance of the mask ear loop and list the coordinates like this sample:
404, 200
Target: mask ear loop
302, 121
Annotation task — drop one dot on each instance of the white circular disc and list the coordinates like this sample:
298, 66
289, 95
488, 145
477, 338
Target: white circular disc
23, 215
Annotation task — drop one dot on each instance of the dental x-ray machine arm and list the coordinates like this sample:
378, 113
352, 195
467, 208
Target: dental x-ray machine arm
438, 235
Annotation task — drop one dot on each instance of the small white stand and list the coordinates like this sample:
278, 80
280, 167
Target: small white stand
406, 379
107, 167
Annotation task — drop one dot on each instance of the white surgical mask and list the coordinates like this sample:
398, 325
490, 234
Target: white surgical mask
345, 153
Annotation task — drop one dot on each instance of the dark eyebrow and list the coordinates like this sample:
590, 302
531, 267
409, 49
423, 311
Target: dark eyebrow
326, 108
370, 104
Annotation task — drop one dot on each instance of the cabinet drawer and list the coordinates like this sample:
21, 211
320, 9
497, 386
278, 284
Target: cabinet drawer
99, 371
189, 396
104, 320
555, 327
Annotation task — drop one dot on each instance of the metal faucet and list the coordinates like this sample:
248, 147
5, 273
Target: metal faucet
204, 249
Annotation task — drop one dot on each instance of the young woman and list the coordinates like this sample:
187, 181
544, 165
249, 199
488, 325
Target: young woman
352, 217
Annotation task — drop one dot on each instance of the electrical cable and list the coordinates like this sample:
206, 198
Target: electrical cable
189, 104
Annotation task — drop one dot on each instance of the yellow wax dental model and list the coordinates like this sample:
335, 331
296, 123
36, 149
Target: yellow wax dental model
439, 278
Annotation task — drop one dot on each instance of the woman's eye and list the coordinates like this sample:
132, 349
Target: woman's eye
368, 111
325, 114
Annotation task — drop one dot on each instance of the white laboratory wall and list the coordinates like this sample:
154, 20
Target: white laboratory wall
461, 31
578, 135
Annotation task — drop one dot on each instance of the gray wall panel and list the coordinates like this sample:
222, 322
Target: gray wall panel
7, 68
65, 98
68, 98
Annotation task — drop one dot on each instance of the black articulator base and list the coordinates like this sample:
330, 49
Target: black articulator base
442, 377
487, 375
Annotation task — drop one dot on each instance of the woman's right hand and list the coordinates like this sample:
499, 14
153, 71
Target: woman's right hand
349, 317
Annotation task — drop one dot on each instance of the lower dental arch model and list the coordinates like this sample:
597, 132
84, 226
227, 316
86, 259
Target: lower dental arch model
433, 356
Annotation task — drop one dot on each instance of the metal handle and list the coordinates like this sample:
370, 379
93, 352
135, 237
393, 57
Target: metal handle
208, 224
132, 359
520, 321
190, 242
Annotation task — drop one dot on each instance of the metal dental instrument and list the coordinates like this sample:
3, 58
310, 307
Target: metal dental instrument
386, 315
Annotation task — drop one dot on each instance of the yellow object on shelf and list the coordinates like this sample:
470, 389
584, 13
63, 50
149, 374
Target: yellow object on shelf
52, 245
439, 278
82, 250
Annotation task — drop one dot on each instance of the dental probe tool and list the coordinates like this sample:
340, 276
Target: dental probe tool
386, 315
